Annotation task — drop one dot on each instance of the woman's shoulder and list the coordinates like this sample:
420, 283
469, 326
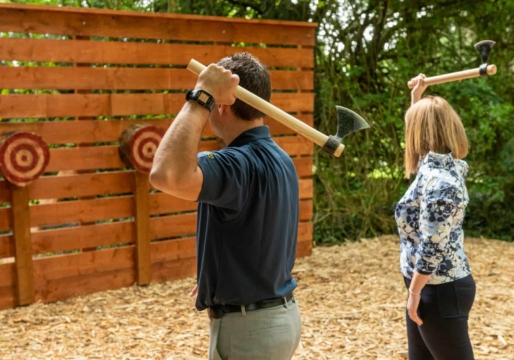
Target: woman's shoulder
444, 186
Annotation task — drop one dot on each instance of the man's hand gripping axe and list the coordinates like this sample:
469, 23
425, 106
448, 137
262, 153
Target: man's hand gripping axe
484, 48
347, 120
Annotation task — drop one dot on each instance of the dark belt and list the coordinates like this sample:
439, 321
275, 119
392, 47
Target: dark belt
217, 311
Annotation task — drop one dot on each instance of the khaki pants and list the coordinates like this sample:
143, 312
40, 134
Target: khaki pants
268, 334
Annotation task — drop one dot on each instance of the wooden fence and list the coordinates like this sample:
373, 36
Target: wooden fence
77, 78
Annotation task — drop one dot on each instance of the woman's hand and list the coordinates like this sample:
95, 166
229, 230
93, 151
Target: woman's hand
412, 308
419, 88
194, 292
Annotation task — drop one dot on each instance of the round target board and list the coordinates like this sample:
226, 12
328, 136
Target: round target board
138, 144
23, 157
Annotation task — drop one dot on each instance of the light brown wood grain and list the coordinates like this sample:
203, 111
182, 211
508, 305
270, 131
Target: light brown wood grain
106, 157
138, 217
61, 277
100, 78
38, 106
116, 52
102, 183
94, 22
141, 200
92, 131
121, 232
22, 246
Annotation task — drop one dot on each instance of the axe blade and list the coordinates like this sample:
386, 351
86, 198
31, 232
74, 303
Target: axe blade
484, 48
349, 122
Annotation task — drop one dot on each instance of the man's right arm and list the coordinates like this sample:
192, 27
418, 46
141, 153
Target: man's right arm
175, 170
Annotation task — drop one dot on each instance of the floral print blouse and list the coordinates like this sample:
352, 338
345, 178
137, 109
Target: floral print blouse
429, 218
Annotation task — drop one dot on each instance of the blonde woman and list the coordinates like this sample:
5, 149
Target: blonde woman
429, 217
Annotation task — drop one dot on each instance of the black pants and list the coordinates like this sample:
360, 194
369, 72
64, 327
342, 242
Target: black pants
444, 310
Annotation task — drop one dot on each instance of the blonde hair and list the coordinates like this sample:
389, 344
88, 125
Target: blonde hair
432, 125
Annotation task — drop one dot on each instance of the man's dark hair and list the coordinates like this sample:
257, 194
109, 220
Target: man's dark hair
254, 77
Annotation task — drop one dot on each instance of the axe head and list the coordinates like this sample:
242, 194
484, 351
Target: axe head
347, 122
484, 48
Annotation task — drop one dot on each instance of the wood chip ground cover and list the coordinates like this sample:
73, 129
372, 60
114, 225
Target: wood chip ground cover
351, 297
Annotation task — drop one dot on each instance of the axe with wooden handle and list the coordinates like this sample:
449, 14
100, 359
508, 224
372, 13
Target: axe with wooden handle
347, 120
484, 48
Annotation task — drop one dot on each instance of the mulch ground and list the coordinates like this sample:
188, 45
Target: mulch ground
351, 297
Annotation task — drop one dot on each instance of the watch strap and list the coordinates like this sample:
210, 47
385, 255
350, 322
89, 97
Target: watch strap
202, 97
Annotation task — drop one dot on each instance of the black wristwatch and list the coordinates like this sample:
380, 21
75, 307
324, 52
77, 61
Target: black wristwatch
202, 97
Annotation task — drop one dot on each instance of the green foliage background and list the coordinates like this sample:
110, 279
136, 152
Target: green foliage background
366, 52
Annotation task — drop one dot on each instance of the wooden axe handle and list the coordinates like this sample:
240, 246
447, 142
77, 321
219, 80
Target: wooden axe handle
461, 75
272, 111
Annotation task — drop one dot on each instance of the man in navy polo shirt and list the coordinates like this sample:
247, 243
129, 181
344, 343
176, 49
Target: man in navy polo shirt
248, 208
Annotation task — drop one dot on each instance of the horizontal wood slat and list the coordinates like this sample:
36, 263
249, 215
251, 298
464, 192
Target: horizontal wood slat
79, 285
118, 258
83, 237
85, 211
7, 296
137, 14
72, 21
115, 52
101, 209
91, 131
295, 145
83, 263
304, 248
84, 131
306, 210
161, 227
7, 275
306, 189
116, 182
173, 270
7, 246
277, 128
106, 157
176, 249
37, 106
64, 288
303, 166
89, 78
83, 284
90, 236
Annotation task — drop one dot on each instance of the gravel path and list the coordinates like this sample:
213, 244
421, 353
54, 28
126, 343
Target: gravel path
351, 298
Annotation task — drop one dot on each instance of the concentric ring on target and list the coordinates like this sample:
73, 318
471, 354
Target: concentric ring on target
138, 144
23, 157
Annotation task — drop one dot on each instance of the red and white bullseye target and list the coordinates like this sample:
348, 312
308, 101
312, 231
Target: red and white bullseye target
23, 157
143, 146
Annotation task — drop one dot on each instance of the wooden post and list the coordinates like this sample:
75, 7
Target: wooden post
22, 245
137, 146
142, 222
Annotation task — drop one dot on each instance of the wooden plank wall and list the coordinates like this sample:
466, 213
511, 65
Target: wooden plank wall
79, 77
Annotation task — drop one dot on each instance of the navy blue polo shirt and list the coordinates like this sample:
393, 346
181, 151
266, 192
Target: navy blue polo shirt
247, 222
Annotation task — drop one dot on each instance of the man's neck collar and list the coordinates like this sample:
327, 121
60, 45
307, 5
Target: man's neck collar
242, 127
250, 135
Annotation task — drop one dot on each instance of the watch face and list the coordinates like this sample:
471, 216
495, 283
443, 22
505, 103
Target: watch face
203, 97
